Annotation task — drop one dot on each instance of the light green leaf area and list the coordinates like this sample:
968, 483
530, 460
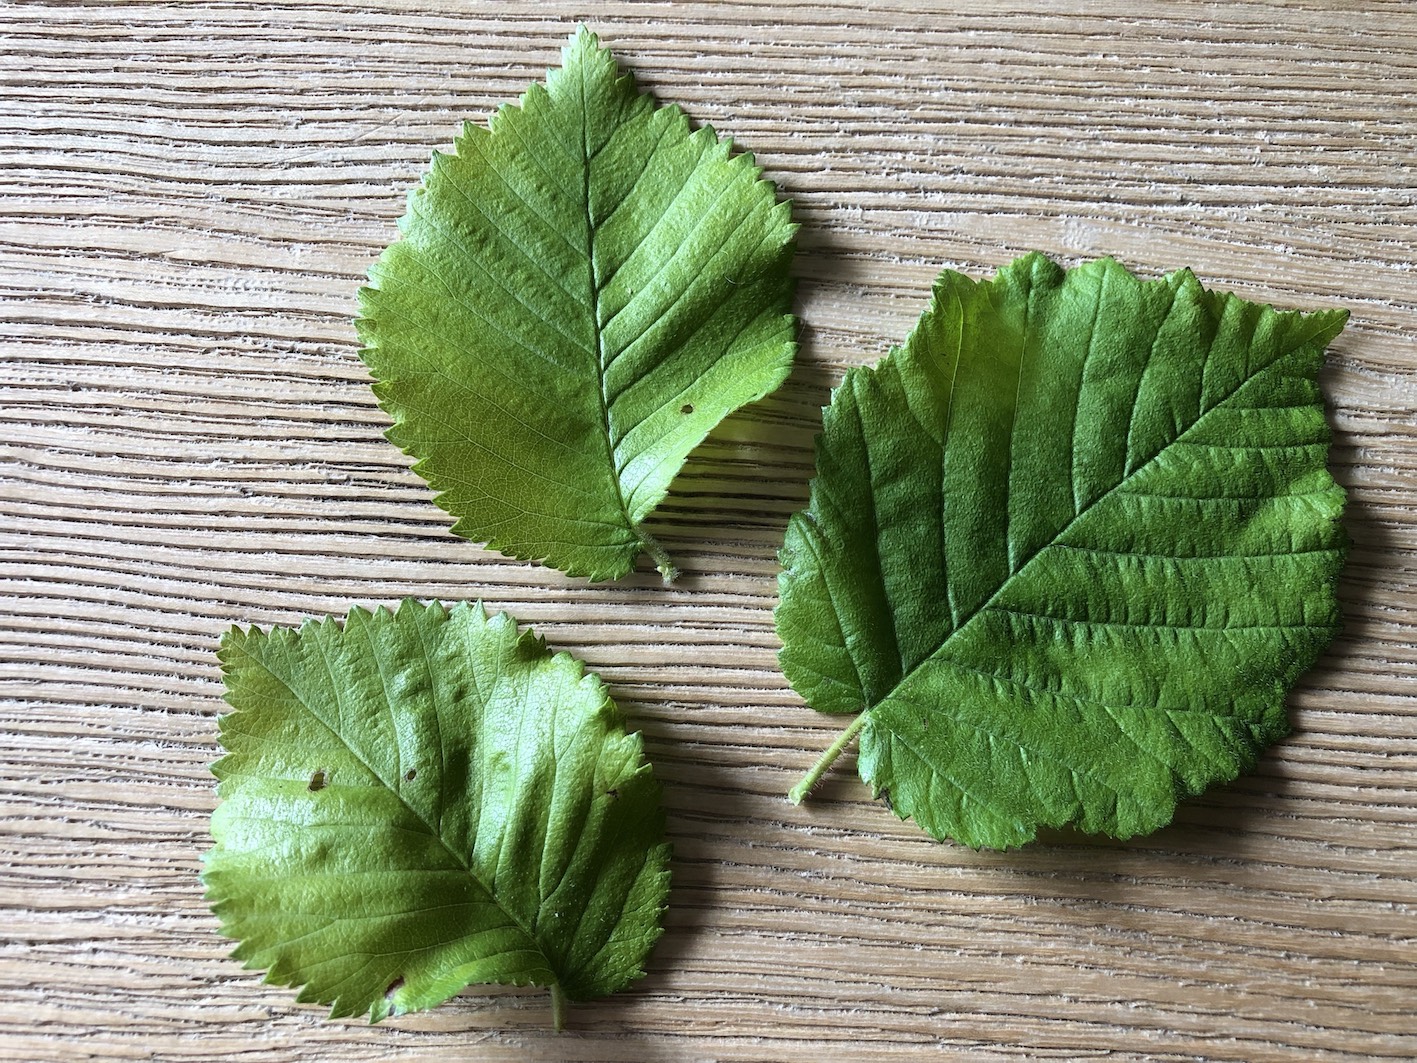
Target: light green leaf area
582, 292
1067, 550
416, 802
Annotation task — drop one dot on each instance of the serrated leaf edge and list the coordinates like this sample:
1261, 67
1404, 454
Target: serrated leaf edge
584, 42
528, 639
1326, 320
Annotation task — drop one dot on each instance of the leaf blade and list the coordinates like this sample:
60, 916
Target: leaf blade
582, 292
415, 801
969, 727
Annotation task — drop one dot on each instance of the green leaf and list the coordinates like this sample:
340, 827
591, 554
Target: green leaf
1067, 550
420, 801
581, 293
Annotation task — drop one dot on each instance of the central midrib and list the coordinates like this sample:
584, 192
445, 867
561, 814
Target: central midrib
593, 280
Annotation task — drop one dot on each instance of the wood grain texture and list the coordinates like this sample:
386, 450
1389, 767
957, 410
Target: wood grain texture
190, 195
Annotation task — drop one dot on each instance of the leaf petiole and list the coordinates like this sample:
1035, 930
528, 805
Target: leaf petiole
657, 554
558, 1007
825, 761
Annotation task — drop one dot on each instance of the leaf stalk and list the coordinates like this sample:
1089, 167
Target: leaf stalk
825, 761
666, 567
558, 1007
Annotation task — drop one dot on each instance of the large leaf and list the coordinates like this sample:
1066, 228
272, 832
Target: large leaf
1067, 550
416, 802
581, 293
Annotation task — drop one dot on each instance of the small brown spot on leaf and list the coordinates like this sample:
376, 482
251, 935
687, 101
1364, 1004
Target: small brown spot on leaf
614, 795
688, 407
411, 774
317, 781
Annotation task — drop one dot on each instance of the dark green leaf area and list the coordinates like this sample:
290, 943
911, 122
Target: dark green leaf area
420, 801
1068, 549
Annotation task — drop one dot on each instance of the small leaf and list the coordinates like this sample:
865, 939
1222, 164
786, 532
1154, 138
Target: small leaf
582, 292
420, 801
1067, 550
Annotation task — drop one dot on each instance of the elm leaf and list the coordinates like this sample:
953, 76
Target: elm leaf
582, 292
1067, 550
419, 801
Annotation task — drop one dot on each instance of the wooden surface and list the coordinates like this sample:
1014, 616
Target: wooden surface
191, 194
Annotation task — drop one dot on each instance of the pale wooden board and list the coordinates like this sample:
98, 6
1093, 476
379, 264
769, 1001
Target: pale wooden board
191, 194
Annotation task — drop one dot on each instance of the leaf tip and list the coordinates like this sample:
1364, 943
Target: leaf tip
1328, 323
584, 45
